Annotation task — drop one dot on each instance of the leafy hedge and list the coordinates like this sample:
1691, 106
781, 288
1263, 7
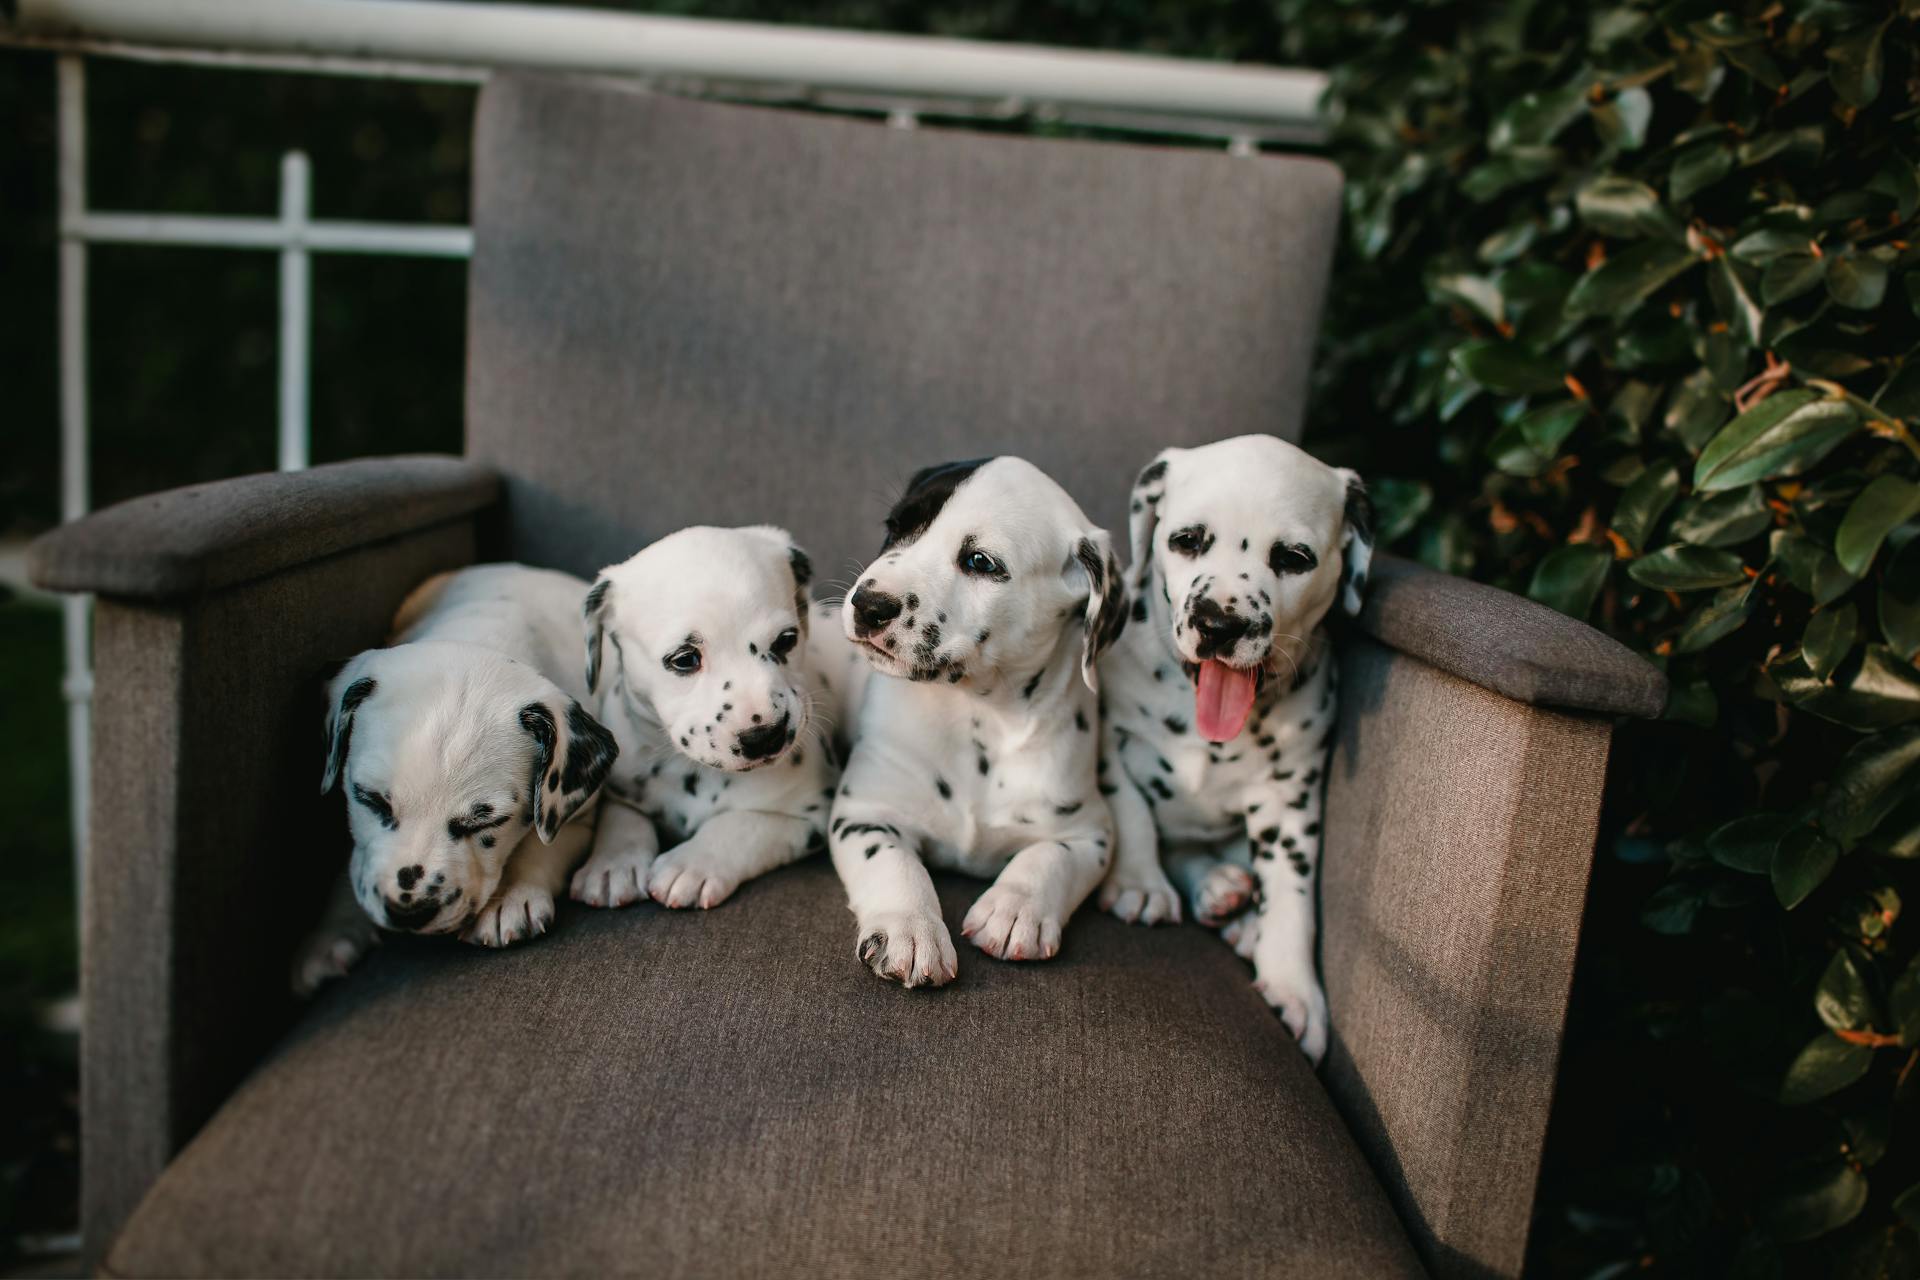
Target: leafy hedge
1637, 283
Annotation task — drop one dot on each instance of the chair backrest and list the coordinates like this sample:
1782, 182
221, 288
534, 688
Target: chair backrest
687, 313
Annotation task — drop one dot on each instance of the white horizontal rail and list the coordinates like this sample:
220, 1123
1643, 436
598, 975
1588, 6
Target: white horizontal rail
463, 34
209, 231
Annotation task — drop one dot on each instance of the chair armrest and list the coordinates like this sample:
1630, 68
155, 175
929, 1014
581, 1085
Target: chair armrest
203, 537
210, 847
1503, 642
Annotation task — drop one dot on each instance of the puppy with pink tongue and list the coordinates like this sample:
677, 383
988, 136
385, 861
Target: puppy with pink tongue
1218, 701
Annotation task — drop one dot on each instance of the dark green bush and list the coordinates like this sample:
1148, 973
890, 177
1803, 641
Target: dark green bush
1626, 319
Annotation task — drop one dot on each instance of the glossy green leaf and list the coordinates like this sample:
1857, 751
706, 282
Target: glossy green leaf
1733, 298
1900, 397
1723, 615
1696, 409
1842, 999
1476, 293
1887, 502
1629, 278
1875, 775
1856, 65
1622, 122
1506, 367
1698, 167
1780, 436
1899, 602
1534, 119
1812, 1203
1673, 907
1617, 206
1907, 1204
1810, 566
1722, 519
1644, 502
1568, 578
1685, 568
1829, 638
1898, 835
1903, 1003
1874, 690
1857, 280
1790, 275
1747, 844
1827, 1065
1509, 169
1802, 861
1528, 445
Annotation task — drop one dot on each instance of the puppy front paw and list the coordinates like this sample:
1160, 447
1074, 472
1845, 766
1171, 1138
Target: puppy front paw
1223, 893
1302, 1005
610, 879
518, 913
329, 951
1141, 899
682, 878
1242, 933
912, 949
1011, 924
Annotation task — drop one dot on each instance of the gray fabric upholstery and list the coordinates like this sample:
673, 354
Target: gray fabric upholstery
1503, 642
684, 313
1459, 837
210, 844
205, 536
730, 1093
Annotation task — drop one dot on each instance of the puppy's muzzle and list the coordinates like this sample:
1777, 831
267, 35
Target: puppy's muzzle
767, 740
873, 610
411, 916
1219, 630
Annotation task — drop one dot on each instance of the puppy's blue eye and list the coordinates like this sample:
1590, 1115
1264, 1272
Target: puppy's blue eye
1194, 540
981, 564
684, 661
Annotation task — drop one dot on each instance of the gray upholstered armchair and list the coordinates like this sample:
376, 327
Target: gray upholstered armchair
685, 312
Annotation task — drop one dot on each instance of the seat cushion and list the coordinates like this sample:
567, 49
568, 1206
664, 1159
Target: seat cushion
730, 1092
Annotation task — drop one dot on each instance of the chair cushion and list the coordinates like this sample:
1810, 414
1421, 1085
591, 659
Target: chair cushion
730, 1092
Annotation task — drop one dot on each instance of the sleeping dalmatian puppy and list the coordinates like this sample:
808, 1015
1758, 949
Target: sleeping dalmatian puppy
977, 739
1219, 704
698, 649
469, 766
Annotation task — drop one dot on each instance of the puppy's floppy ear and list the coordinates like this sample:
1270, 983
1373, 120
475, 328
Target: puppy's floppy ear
594, 613
1356, 543
349, 686
572, 755
1106, 600
1143, 512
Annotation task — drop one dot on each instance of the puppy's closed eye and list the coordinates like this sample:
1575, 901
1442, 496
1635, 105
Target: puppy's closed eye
376, 804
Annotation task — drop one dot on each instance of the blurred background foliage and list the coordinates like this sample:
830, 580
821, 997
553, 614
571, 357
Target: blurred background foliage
1625, 319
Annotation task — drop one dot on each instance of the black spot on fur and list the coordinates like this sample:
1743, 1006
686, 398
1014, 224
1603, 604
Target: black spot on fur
1064, 809
1175, 724
802, 567
1080, 721
940, 785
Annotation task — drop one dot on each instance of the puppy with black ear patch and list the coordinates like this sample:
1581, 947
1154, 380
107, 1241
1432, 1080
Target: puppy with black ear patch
990, 603
1220, 699
468, 763
698, 650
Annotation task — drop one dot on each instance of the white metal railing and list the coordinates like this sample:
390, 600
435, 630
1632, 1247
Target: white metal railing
904, 78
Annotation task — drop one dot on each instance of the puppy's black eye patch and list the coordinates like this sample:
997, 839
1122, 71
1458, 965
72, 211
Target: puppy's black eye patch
377, 805
478, 821
1194, 540
1292, 557
927, 492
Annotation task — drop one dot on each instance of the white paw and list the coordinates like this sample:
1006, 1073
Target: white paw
682, 878
1009, 924
518, 913
909, 948
1302, 1005
1224, 892
1242, 933
611, 879
1141, 900
330, 951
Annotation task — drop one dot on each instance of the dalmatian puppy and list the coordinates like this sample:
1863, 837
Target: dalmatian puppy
698, 651
469, 765
977, 740
1219, 705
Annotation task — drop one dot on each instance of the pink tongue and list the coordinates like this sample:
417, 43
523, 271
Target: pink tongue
1222, 700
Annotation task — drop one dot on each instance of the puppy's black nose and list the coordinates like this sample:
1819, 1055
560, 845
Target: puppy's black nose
758, 744
873, 610
408, 916
1219, 630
